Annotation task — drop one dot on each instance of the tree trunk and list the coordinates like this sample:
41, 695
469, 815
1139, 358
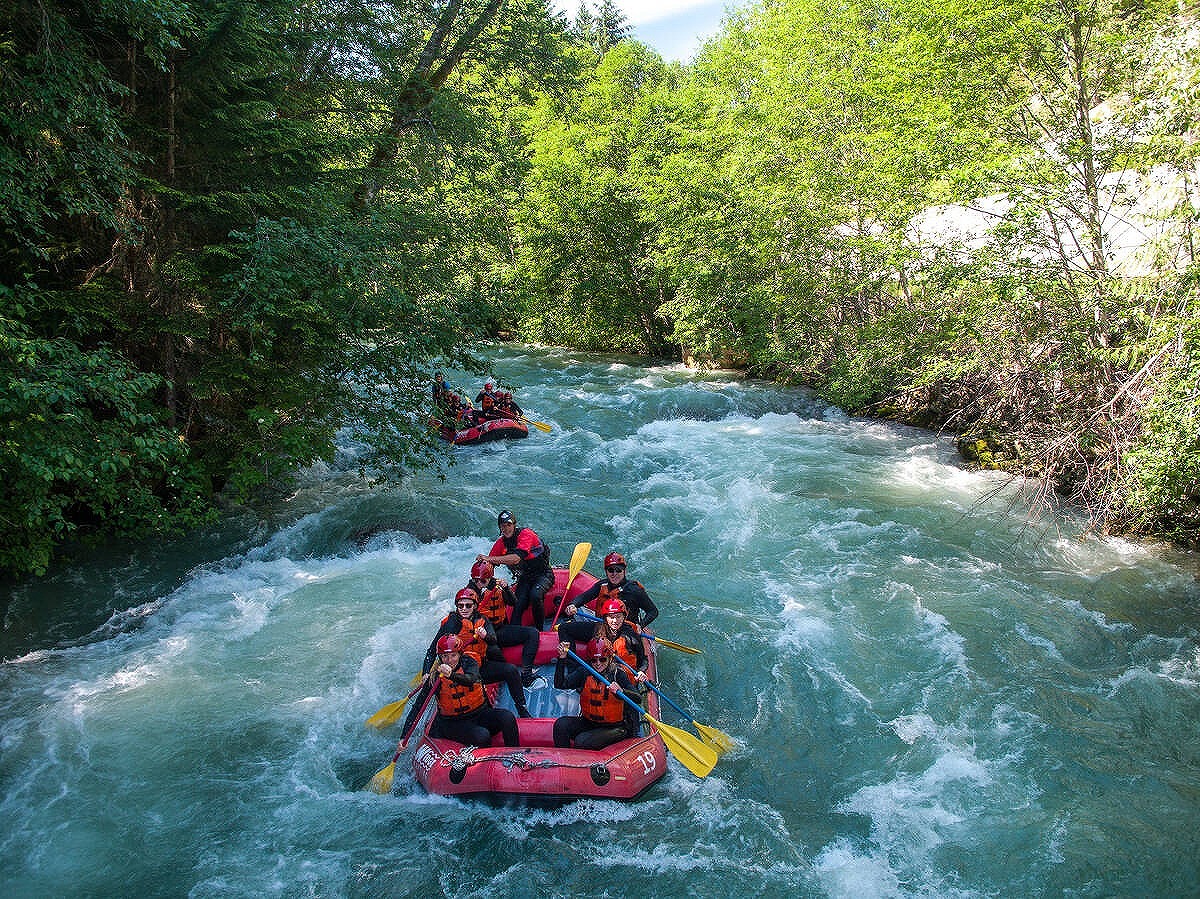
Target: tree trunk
427, 77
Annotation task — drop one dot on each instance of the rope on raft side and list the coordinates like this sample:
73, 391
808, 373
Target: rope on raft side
465, 758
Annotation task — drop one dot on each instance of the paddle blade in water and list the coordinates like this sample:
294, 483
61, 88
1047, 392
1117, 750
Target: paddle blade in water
691, 650
381, 783
720, 741
695, 755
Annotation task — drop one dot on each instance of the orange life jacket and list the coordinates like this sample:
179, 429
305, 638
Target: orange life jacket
472, 644
597, 704
492, 605
621, 645
625, 652
454, 699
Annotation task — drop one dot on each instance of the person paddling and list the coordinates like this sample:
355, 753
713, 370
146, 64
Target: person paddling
614, 628
440, 391
506, 405
495, 600
638, 604
479, 641
604, 718
528, 558
486, 398
463, 711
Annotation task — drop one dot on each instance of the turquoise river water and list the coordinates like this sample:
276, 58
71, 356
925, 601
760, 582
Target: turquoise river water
931, 696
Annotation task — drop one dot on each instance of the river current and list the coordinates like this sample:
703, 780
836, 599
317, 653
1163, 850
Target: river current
931, 695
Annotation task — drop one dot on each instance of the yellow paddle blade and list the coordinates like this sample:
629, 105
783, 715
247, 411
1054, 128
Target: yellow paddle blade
540, 425
673, 645
720, 741
381, 783
389, 714
578, 560
695, 755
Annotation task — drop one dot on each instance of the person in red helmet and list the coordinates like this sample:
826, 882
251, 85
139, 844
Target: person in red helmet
506, 406
614, 628
640, 608
495, 599
528, 558
464, 713
478, 640
604, 718
486, 398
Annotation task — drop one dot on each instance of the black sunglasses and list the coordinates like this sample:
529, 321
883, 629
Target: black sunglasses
615, 568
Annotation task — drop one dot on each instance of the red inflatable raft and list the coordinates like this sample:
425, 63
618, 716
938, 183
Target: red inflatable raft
483, 431
537, 768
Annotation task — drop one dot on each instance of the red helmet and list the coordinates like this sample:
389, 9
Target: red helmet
612, 607
483, 570
466, 593
488, 384
599, 650
614, 559
450, 643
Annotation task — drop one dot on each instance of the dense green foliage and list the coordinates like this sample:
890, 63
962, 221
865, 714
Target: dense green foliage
783, 205
233, 229
230, 230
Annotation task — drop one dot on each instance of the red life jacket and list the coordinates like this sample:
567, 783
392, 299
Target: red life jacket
454, 699
597, 704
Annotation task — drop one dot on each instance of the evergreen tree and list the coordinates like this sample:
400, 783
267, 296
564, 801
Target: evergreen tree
601, 29
612, 26
219, 252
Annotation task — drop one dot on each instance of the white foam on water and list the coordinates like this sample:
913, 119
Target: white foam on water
1182, 669
911, 728
845, 873
911, 816
805, 627
1051, 651
1091, 617
944, 640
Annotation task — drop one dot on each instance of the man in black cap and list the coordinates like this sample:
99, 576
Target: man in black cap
528, 558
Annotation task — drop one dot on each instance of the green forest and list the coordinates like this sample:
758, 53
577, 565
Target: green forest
232, 229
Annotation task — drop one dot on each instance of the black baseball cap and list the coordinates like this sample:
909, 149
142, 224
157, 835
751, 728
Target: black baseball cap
506, 517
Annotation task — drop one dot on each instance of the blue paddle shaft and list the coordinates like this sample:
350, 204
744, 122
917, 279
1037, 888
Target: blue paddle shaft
600, 677
588, 616
654, 687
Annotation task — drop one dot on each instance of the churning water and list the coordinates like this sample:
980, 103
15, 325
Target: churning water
931, 698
